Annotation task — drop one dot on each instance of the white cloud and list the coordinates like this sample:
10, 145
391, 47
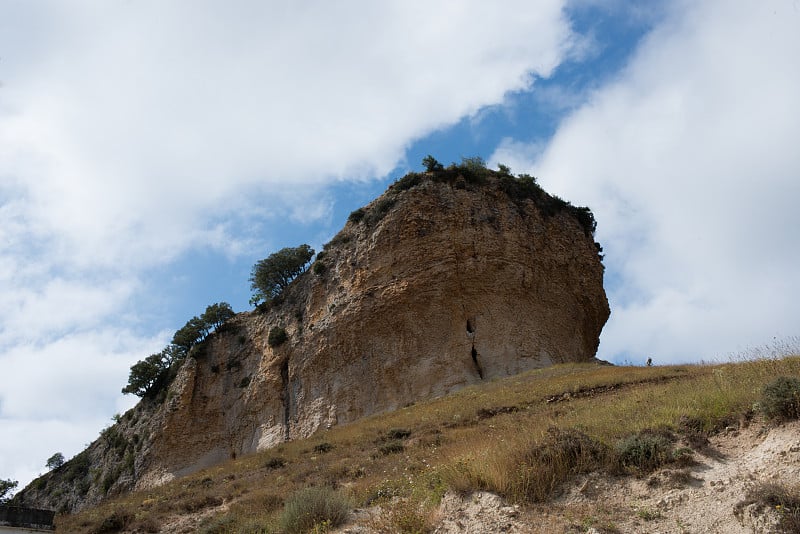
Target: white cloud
689, 161
142, 116
56, 396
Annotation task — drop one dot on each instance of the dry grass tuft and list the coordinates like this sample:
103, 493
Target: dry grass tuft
784, 501
312, 508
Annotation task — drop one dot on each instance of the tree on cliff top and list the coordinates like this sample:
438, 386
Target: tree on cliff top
273, 274
55, 461
154, 373
144, 375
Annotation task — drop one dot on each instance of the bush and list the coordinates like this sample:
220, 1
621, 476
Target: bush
408, 181
379, 210
78, 467
645, 451
276, 462
114, 522
339, 239
311, 507
562, 454
398, 433
781, 398
323, 447
277, 336
319, 268
783, 500
473, 170
356, 216
391, 447
586, 219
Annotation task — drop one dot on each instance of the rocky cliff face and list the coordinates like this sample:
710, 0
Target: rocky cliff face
442, 282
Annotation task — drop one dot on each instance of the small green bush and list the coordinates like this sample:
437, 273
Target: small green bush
276, 462
114, 522
78, 467
392, 447
645, 451
398, 433
339, 239
277, 336
356, 216
781, 398
408, 181
379, 211
312, 506
323, 447
319, 268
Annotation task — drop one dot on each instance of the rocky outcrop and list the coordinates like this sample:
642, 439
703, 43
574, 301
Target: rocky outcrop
445, 280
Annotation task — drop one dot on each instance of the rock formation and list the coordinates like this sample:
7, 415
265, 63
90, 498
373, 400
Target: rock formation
447, 279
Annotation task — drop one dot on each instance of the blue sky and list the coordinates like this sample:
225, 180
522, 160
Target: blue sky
150, 153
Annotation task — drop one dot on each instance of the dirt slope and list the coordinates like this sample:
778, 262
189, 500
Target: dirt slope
702, 498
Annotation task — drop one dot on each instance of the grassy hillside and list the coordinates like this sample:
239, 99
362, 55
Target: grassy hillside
522, 437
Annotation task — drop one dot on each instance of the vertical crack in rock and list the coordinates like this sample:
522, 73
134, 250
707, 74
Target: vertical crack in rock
476, 362
457, 271
470, 328
285, 396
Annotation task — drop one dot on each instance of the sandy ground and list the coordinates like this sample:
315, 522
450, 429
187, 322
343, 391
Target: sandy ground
701, 498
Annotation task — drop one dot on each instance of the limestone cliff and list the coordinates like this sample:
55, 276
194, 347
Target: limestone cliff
443, 281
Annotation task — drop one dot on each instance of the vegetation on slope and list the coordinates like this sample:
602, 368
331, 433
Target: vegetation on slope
154, 374
473, 173
523, 437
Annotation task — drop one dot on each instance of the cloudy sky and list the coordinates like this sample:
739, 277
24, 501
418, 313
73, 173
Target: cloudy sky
151, 152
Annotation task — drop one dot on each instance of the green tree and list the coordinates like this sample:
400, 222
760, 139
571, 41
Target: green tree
273, 274
431, 165
216, 314
194, 331
145, 375
157, 370
6, 487
505, 170
55, 461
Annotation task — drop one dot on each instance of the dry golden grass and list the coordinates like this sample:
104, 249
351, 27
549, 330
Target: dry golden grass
504, 436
